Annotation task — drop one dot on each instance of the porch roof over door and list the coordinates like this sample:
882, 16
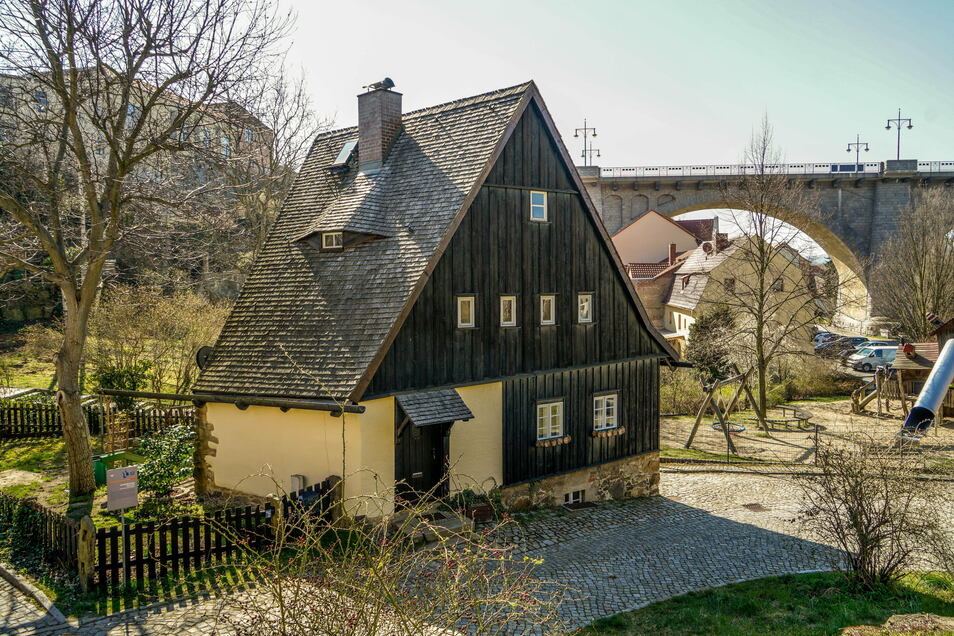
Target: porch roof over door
434, 407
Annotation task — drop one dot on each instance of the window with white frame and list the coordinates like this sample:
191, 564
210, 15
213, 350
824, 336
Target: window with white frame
550, 419
574, 497
465, 311
249, 135
547, 310
41, 101
332, 240
508, 311
538, 206
605, 411
584, 308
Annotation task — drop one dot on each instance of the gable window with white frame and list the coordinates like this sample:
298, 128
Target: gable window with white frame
508, 311
549, 420
547, 310
332, 240
605, 411
584, 308
466, 306
538, 206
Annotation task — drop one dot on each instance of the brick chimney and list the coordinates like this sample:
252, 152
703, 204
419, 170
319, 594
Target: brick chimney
379, 121
672, 253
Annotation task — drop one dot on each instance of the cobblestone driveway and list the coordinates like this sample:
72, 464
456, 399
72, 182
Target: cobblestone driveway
707, 530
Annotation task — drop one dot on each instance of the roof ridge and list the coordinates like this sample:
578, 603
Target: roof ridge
480, 97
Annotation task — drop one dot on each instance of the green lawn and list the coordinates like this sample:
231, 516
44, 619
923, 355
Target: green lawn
691, 453
804, 604
17, 369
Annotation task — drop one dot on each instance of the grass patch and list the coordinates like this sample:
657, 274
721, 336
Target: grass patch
35, 455
822, 399
692, 453
795, 605
25, 371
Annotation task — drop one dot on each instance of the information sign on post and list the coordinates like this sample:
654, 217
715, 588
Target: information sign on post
122, 488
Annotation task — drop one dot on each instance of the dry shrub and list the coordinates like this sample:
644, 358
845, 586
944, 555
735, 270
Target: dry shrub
810, 376
375, 577
879, 506
680, 391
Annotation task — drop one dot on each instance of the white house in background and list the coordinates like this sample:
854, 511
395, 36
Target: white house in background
648, 238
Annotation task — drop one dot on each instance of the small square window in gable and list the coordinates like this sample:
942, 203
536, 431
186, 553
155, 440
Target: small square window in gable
538, 206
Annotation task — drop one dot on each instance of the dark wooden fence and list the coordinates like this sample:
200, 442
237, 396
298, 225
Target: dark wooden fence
178, 546
25, 420
184, 544
36, 527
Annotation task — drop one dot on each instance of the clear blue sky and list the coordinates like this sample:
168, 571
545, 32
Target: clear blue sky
663, 82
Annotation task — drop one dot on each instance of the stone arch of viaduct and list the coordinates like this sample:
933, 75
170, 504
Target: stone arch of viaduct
854, 219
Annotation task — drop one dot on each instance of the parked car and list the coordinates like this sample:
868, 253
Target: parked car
844, 355
824, 337
836, 347
867, 358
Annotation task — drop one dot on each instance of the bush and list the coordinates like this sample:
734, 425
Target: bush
680, 391
808, 377
168, 455
872, 502
130, 377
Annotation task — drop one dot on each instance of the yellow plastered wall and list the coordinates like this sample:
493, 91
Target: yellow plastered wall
258, 449
375, 475
476, 446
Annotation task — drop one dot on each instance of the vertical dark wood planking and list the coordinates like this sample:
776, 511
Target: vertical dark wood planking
636, 384
498, 250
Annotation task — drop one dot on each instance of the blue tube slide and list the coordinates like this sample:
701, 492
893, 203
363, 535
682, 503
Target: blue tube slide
932, 395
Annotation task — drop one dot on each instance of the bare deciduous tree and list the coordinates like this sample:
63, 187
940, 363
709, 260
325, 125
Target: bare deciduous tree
375, 577
880, 508
771, 295
917, 266
96, 97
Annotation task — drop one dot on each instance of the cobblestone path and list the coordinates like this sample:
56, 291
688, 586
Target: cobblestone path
19, 614
706, 530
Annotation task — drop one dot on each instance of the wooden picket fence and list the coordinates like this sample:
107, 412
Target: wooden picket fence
55, 535
177, 546
25, 420
148, 551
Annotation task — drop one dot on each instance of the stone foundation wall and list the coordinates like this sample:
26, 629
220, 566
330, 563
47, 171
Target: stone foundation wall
630, 477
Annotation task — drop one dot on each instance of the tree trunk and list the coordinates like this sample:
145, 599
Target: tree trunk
68, 398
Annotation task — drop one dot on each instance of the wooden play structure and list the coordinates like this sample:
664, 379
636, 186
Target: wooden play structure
723, 412
902, 382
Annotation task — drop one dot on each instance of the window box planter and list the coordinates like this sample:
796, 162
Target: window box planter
556, 441
609, 432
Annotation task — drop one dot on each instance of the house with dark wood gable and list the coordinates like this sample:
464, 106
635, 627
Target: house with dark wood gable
438, 307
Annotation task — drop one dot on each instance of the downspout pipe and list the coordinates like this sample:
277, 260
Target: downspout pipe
932, 394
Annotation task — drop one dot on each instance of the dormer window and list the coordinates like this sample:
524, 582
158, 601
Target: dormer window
332, 240
538, 206
685, 282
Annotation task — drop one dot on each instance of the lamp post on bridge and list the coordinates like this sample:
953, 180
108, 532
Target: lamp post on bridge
898, 122
588, 148
857, 144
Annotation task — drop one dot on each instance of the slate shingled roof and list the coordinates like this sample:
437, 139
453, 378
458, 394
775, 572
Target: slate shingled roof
697, 267
307, 323
311, 324
434, 407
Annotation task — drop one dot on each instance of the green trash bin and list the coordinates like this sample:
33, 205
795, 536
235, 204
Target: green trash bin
99, 470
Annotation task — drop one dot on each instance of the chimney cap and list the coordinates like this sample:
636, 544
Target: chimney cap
385, 84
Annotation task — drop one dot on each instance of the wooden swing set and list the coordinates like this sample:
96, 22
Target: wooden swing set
723, 413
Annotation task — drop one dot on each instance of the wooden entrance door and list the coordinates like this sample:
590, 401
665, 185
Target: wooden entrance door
420, 461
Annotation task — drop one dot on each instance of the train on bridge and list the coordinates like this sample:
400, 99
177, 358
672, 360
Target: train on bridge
874, 167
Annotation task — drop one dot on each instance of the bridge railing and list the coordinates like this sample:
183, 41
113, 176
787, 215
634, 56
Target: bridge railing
716, 170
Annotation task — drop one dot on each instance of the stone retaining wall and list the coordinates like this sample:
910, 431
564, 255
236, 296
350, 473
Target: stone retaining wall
630, 477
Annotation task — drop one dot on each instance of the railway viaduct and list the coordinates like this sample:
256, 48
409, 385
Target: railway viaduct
856, 214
